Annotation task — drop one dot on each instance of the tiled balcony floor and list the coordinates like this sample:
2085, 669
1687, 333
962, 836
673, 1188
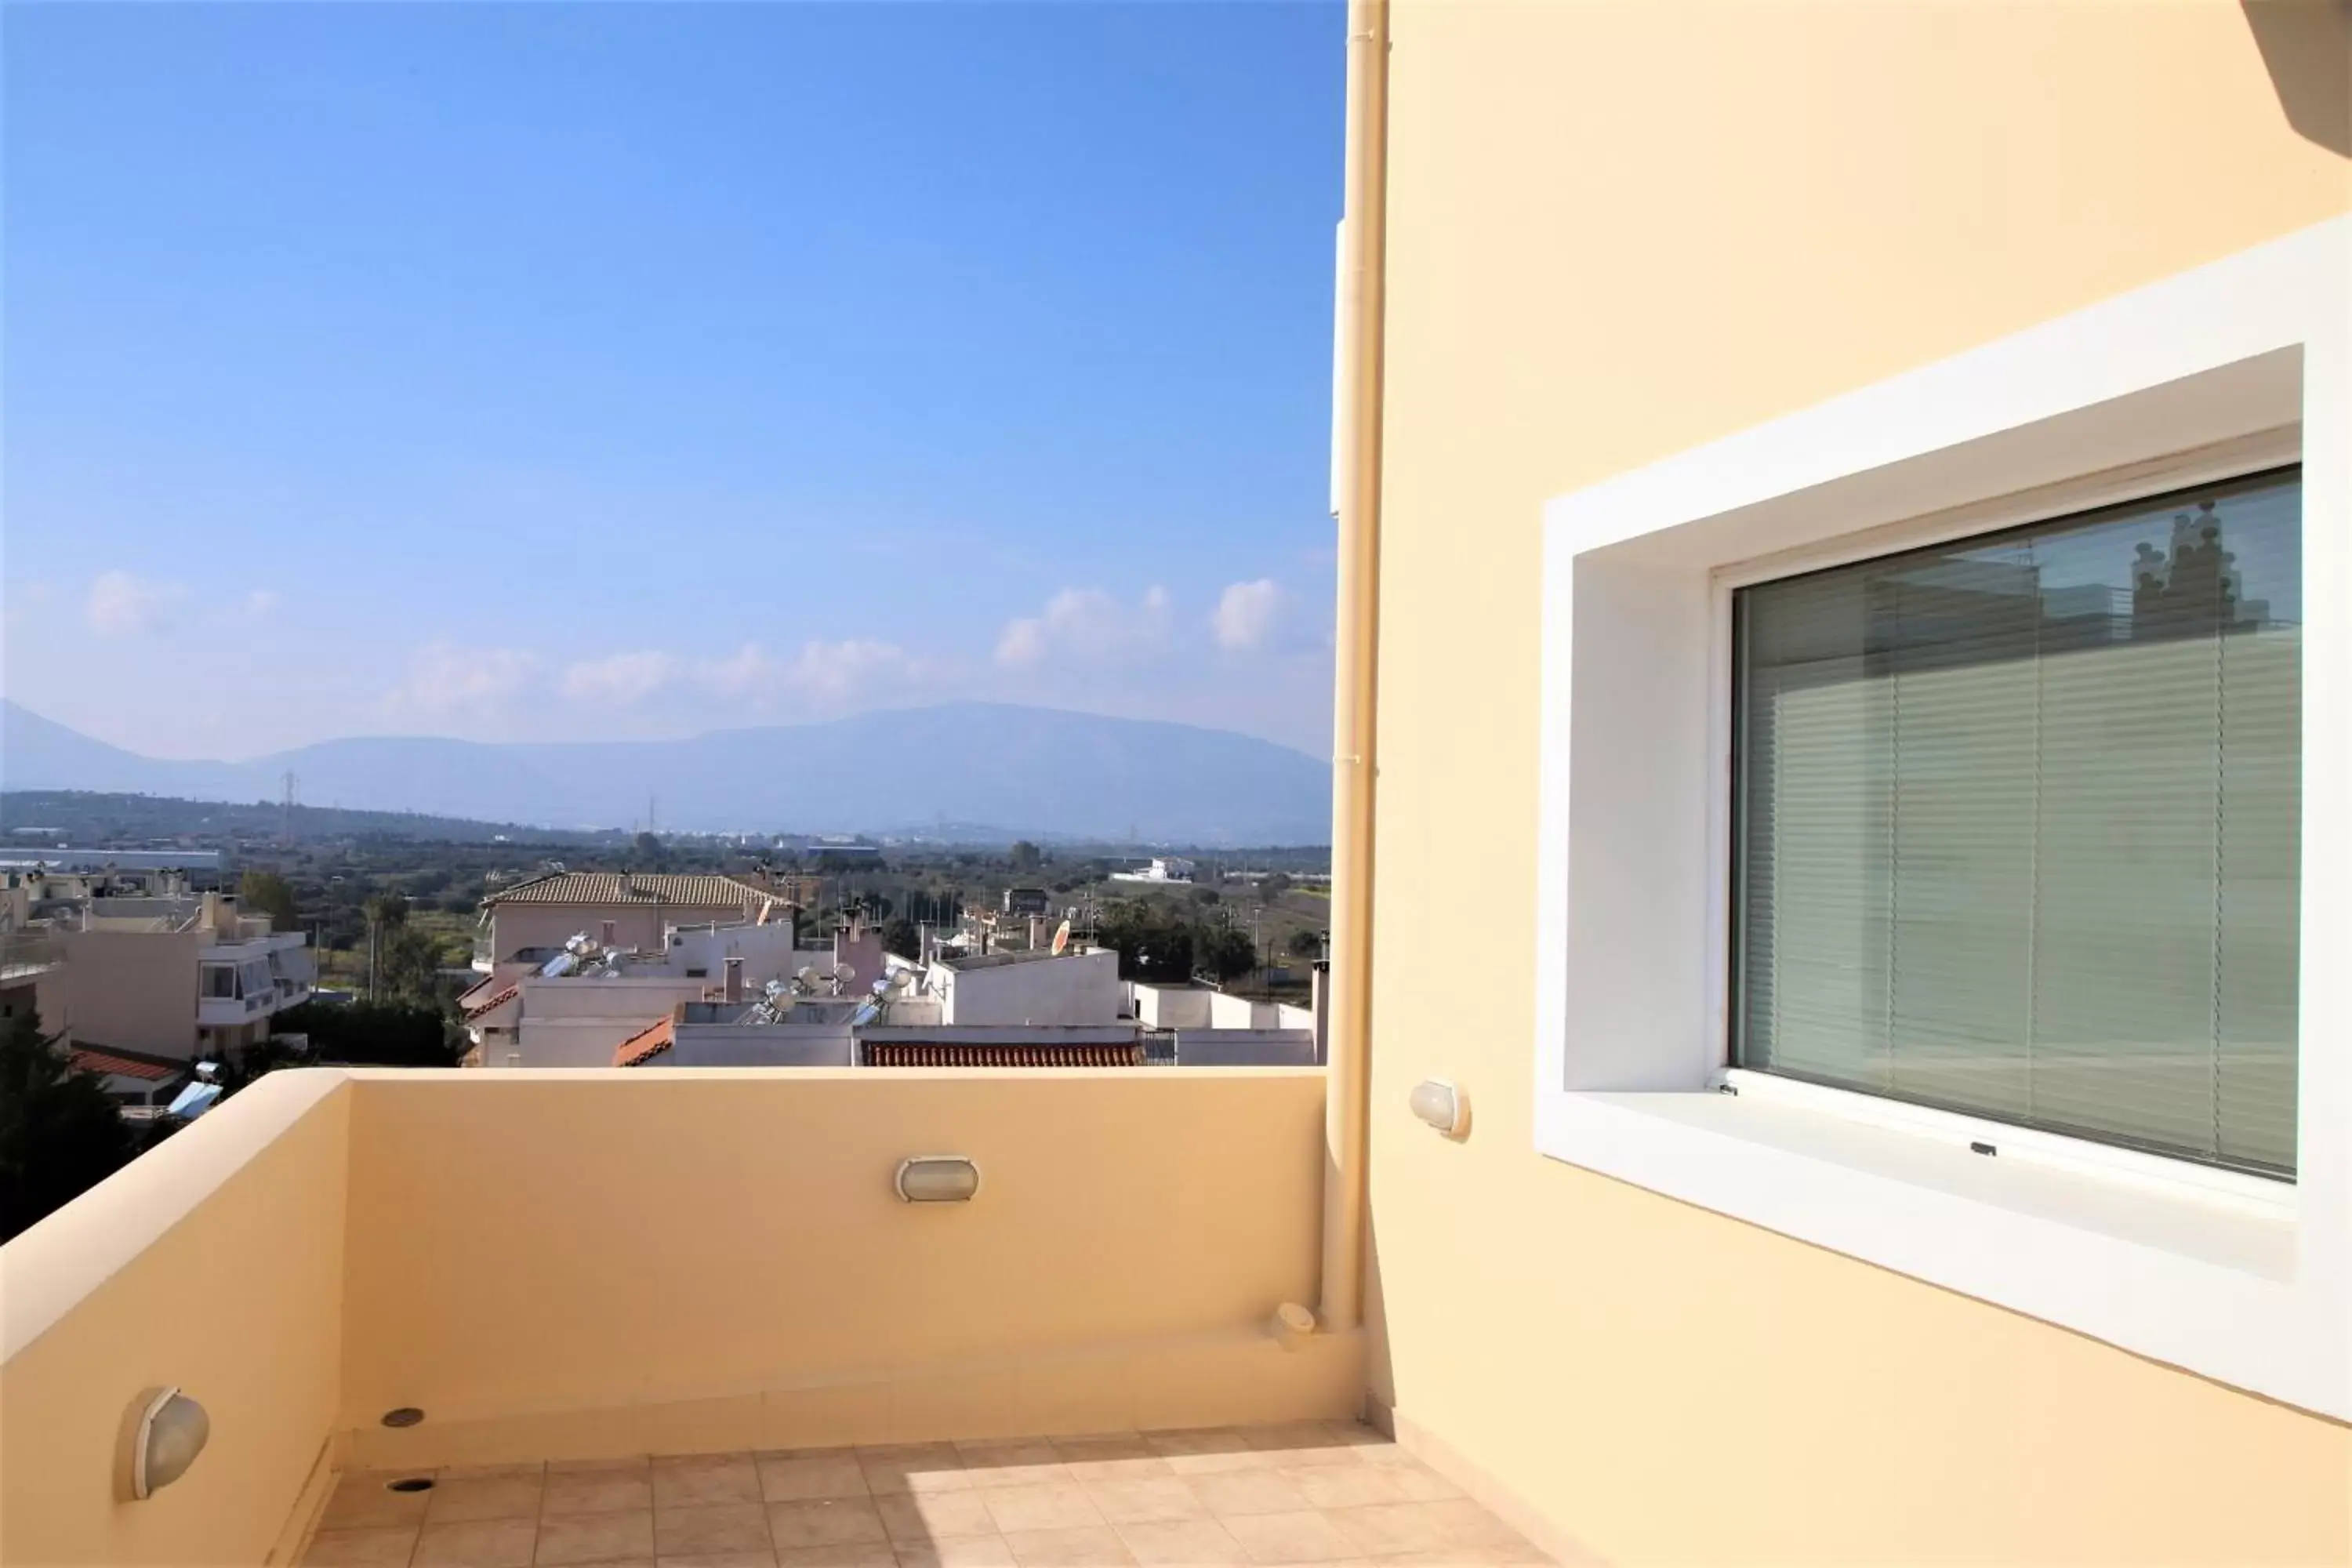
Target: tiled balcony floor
1318, 1492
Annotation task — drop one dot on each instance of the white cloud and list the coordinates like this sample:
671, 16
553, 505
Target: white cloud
446, 681
822, 675
121, 603
259, 603
1246, 613
746, 670
621, 679
1087, 624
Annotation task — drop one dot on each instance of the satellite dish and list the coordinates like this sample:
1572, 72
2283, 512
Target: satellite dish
1062, 940
843, 972
807, 974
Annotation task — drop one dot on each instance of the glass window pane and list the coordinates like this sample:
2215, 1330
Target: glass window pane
2017, 824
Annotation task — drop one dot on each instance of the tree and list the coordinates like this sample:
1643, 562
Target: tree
903, 937
267, 892
1276, 883
376, 1033
1308, 943
59, 1133
1223, 952
1027, 857
385, 911
408, 964
648, 850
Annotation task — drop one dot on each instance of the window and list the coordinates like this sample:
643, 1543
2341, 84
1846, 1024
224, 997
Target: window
2015, 825
220, 979
1765, 662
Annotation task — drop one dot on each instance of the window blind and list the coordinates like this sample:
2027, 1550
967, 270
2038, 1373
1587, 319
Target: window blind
2016, 825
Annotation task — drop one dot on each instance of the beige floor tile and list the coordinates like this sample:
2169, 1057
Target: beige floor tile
627, 1464
1026, 1462
485, 1497
825, 1521
763, 1558
1143, 1498
361, 1502
913, 1467
1306, 1536
596, 1492
1386, 1528
1297, 1443
914, 1518
1360, 1486
596, 1537
840, 1554
1206, 1450
384, 1545
1183, 1543
1111, 1455
1228, 1493
699, 1480
490, 1472
477, 1543
1055, 1505
709, 1527
801, 1477
1087, 1546
963, 1551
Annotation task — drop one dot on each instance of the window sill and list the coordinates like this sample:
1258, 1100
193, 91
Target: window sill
2185, 1276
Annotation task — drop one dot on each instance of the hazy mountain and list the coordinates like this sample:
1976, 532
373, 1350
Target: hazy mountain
1029, 769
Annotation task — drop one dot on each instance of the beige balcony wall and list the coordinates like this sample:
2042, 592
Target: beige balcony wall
571, 1263
1618, 231
215, 1262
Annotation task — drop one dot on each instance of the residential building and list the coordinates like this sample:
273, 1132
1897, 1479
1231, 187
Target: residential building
1160, 868
617, 909
1731, 404
175, 976
1027, 988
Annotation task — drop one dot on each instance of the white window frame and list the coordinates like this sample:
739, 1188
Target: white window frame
2240, 365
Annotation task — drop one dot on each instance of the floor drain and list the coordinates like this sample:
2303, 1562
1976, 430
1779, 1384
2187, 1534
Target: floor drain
406, 1415
410, 1484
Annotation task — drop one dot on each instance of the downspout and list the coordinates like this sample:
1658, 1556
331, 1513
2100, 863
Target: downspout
1356, 502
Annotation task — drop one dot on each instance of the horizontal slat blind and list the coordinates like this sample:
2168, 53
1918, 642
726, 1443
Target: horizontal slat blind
2016, 824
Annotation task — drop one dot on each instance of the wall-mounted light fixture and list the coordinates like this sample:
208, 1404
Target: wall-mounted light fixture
1441, 1105
165, 1433
938, 1179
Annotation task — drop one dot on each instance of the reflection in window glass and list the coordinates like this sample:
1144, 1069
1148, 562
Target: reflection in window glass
2016, 824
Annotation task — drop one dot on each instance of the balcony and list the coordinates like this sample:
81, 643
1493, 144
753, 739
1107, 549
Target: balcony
687, 1313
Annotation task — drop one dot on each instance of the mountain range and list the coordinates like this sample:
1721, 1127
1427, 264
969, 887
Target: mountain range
1037, 771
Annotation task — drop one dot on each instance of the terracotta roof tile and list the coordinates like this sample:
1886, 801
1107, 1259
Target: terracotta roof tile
691, 891
512, 989
972, 1053
644, 1045
124, 1067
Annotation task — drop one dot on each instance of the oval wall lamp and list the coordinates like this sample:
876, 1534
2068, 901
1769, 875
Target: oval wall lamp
938, 1179
165, 1433
1443, 1106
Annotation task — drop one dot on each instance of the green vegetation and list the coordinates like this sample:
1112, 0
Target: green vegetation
59, 1132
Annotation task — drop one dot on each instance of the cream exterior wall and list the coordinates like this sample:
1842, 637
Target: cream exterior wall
135, 989
576, 1265
515, 926
1615, 232
215, 1262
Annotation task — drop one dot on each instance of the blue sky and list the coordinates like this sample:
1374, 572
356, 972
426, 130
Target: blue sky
552, 371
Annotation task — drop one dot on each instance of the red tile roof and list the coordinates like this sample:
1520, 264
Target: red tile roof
509, 992
693, 891
124, 1067
972, 1053
644, 1045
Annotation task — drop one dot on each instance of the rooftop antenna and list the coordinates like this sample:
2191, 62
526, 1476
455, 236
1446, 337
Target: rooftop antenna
286, 811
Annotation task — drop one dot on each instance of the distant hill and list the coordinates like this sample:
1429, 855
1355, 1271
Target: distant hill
1032, 770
